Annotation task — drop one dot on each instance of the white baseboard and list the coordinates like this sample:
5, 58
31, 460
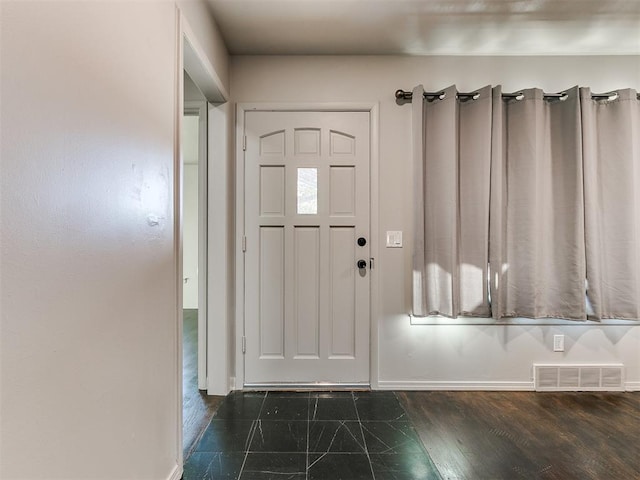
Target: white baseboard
176, 474
478, 386
632, 386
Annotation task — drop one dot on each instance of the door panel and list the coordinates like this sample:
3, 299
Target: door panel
306, 288
343, 289
306, 204
272, 285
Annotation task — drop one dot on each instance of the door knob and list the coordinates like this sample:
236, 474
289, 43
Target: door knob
362, 264
362, 241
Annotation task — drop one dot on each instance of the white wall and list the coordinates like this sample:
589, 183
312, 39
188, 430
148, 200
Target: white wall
443, 356
88, 302
190, 148
190, 237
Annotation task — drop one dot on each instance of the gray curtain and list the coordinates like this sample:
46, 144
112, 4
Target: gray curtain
612, 203
531, 196
452, 158
537, 219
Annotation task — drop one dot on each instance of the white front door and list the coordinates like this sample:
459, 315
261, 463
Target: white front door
307, 227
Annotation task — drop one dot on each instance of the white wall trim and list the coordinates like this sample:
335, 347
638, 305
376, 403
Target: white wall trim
239, 261
177, 227
519, 321
376, 273
176, 474
219, 259
199, 68
375, 309
460, 386
304, 107
472, 386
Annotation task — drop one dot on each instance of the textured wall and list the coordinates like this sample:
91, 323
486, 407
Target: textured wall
88, 300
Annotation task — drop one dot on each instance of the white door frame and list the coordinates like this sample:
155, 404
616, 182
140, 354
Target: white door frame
242, 108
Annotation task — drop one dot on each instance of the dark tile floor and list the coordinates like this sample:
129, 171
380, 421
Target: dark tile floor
310, 436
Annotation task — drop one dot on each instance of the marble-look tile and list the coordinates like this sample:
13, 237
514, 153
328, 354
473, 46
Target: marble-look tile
263, 466
310, 436
226, 436
332, 408
241, 405
331, 395
403, 467
382, 407
391, 437
213, 466
285, 407
332, 436
339, 466
279, 436
272, 476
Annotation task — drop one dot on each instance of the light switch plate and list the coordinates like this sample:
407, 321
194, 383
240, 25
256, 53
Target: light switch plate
394, 239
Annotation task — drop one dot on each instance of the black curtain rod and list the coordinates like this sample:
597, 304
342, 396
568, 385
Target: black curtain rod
403, 95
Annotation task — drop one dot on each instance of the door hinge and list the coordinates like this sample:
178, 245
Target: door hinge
244, 344
244, 243
244, 143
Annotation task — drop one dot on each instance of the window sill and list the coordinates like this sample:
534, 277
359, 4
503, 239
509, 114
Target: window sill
439, 320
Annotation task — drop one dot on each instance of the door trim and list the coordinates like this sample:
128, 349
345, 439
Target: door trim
374, 301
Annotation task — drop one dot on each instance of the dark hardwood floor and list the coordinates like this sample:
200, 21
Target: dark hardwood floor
481, 435
197, 406
528, 435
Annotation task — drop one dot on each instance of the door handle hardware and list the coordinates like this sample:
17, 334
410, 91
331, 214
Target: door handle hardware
362, 264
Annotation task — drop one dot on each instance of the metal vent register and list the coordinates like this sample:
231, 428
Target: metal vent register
575, 378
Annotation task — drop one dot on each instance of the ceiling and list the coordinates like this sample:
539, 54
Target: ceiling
429, 27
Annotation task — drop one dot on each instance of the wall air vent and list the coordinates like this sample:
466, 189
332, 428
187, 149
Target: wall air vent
577, 378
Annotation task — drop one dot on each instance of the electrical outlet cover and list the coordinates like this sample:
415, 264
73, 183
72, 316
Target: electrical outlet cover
558, 343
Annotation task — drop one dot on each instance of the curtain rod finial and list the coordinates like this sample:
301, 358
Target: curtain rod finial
402, 95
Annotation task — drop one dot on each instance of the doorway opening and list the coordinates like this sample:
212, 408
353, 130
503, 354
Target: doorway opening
198, 407
201, 229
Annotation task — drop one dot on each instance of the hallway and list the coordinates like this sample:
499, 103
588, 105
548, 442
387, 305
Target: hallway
197, 406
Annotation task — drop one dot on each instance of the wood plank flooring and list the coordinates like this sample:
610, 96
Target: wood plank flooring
528, 435
197, 406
